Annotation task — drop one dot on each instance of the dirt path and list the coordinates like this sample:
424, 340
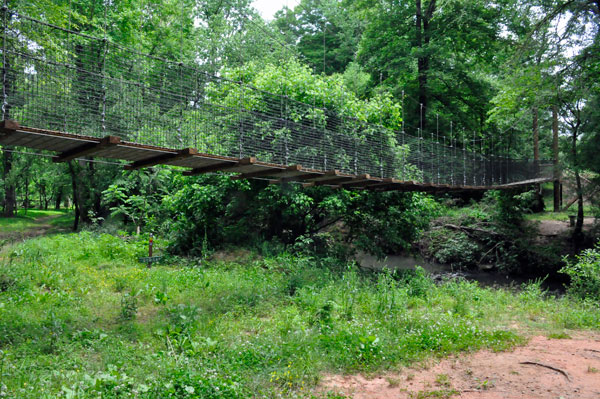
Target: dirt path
566, 368
41, 227
553, 228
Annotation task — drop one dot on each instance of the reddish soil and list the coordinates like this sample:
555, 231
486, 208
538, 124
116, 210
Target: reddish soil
489, 375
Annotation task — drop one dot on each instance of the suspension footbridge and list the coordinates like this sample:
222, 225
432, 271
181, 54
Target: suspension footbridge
80, 96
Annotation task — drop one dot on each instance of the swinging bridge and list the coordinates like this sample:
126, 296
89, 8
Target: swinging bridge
81, 96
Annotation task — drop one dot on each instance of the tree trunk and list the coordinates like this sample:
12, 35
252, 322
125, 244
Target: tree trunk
95, 192
58, 198
75, 195
26, 203
578, 231
536, 138
46, 200
555, 159
10, 196
539, 198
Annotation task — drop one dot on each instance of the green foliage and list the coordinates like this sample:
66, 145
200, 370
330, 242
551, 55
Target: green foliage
509, 207
209, 211
454, 248
261, 326
491, 233
390, 222
129, 307
584, 274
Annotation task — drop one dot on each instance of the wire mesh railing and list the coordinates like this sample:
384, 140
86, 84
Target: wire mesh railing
57, 79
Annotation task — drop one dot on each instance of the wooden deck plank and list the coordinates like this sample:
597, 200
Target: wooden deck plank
229, 166
280, 172
71, 146
87, 149
164, 159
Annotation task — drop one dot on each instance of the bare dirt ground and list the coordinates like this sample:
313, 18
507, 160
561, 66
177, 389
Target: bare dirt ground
553, 228
557, 368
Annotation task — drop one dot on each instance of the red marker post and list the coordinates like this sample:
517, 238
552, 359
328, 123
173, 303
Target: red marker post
150, 245
149, 260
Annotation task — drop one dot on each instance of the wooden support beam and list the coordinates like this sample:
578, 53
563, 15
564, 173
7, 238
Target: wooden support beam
385, 182
330, 177
9, 125
268, 172
221, 166
87, 149
333, 181
301, 178
360, 181
399, 187
162, 158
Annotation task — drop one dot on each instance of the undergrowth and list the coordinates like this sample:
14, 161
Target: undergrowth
492, 233
80, 318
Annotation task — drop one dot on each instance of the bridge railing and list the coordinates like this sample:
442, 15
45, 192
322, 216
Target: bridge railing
57, 79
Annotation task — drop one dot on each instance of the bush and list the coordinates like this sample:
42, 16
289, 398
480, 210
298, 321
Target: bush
454, 248
584, 274
212, 211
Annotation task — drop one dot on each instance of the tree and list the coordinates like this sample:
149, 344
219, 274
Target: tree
324, 32
441, 55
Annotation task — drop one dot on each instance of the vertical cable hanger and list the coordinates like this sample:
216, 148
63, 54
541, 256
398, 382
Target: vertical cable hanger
432, 156
403, 136
324, 63
420, 138
437, 143
324, 108
181, 88
4, 34
4, 67
492, 158
473, 155
67, 57
464, 148
452, 156
285, 111
105, 42
484, 160
381, 130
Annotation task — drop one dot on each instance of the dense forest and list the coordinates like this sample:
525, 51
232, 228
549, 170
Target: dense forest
496, 77
258, 291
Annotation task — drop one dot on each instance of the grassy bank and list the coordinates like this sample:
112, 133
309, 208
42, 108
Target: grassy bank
80, 318
31, 219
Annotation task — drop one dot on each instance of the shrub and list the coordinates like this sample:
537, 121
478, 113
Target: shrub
584, 274
209, 211
453, 248
129, 307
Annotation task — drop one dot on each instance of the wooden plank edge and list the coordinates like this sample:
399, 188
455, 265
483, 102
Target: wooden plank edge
87, 149
9, 125
273, 171
162, 159
221, 166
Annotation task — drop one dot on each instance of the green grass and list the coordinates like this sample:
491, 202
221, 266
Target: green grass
80, 318
33, 218
548, 214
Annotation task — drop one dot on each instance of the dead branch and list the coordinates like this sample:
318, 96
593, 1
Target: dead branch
563, 372
487, 253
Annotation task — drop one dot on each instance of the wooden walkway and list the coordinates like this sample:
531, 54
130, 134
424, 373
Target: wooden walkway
71, 146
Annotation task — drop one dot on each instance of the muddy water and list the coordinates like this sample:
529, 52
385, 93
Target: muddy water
483, 277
